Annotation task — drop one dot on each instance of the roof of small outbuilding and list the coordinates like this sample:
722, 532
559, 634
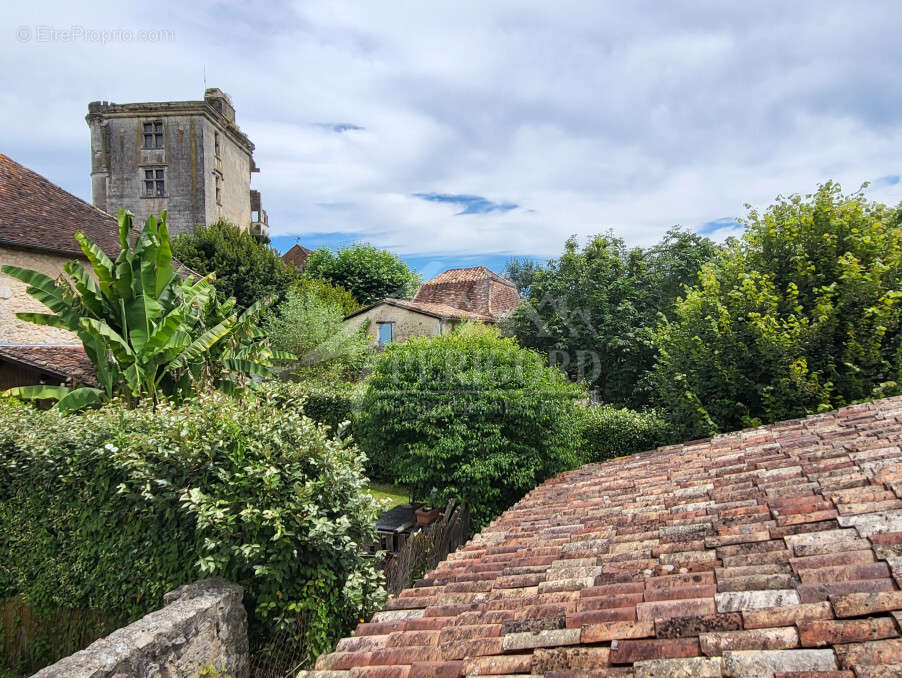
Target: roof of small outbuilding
441, 311
775, 551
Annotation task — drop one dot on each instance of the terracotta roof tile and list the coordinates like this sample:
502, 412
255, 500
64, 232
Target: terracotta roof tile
64, 362
475, 289
36, 213
771, 551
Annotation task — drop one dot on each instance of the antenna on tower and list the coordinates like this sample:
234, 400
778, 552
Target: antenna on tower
205, 77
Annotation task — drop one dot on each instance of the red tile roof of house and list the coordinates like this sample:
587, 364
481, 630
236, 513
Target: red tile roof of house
38, 214
470, 274
435, 310
475, 289
65, 362
297, 256
775, 551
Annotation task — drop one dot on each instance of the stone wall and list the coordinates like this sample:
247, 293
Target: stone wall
14, 299
407, 323
202, 626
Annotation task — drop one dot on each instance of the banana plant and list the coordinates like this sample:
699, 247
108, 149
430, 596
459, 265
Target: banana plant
148, 331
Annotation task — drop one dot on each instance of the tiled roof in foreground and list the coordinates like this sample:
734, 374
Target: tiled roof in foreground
775, 551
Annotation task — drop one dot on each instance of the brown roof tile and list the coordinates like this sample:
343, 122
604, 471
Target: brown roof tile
64, 362
36, 213
723, 557
475, 289
297, 256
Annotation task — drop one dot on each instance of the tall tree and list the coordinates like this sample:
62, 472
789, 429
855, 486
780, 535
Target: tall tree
367, 272
246, 267
803, 314
593, 308
521, 272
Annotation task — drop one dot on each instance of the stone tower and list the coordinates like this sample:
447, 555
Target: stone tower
187, 157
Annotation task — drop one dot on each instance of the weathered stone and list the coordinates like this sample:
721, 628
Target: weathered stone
736, 601
695, 667
678, 627
528, 640
859, 604
201, 624
764, 664
715, 644
786, 616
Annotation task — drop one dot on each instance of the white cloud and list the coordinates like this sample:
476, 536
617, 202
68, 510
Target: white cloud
632, 116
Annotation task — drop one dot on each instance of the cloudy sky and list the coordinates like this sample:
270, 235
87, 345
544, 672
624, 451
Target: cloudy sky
462, 131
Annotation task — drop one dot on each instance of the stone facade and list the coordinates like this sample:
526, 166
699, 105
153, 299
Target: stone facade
202, 626
14, 299
407, 323
205, 159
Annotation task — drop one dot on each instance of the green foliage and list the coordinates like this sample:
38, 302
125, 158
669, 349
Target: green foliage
610, 432
328, 294
521, 272
328, 402
147, 331
367, 272
246, 267
310, 326
109, 509
470, 414
593, 309
802, 315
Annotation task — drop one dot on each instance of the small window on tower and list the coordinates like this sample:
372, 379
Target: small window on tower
216, 143
218, 189
153, 134
154, 183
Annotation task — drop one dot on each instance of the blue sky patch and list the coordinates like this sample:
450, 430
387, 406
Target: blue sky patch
339, 127
710, 227
471, 204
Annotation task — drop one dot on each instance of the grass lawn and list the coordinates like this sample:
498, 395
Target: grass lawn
396, 493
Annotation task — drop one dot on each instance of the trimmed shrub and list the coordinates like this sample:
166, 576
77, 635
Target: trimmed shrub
110, 509
471, 415
610, 432
329, 403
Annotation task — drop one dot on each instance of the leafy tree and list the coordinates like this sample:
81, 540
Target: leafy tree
370, 274
470, 414
801, 315
148, 331
521, 272
328, 294
592, 309
246, 267
309, 325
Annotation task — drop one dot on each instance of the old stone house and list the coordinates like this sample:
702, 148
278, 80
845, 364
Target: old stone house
38, 222
457, 295
187, 157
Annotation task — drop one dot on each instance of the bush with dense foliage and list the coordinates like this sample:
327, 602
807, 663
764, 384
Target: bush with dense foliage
328, 294
109, 509
367, 272
326, 401
310, 325
804, 314
610, 432
246, 267
470, 414
593, 309
147, 330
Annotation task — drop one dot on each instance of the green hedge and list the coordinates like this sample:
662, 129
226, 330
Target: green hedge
470, 414
610, 432
108, 510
